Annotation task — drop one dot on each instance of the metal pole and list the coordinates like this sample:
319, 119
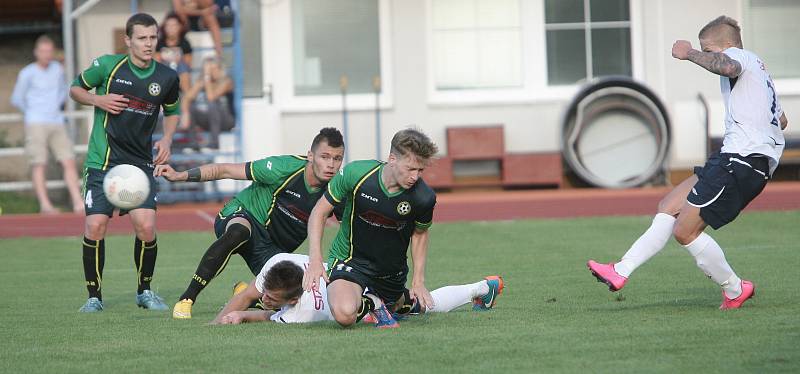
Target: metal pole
376, 85
134, 6
343, 87
69, 52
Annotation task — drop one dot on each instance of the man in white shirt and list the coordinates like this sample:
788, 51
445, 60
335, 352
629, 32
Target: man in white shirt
40, 93
730, 179
279, 286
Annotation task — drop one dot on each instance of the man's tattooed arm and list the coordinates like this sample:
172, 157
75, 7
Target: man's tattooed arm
716, 62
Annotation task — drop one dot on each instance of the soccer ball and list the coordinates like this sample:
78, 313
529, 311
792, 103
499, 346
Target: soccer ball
126, 186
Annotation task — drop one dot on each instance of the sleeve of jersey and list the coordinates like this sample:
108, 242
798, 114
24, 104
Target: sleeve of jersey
268, 170
739, 56
339, 186
93, 76
172, 102
425, 219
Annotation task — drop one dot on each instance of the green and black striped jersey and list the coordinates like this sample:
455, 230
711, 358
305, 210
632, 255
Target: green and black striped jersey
126, 138
279, 198
376, 225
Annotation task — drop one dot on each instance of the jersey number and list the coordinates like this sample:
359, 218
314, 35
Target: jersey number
774, 106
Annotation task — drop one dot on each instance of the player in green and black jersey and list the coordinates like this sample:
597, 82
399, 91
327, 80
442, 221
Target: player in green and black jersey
130, 91
387, 206
266, 218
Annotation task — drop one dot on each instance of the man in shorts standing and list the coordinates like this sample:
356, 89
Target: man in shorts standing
730, 179
39, 93
130, 90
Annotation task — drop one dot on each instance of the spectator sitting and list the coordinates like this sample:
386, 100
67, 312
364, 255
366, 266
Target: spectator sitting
208, 101
190, 12
175, 51
40, 92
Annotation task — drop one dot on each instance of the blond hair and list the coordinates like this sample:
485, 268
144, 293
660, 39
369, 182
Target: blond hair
415, 142
722, 29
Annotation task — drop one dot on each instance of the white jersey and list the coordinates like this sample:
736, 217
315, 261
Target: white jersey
752, 110
312, 306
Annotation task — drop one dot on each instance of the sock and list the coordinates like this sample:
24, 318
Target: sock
216, 258
367, 305
94, 258
711, 260
144, 256
650, 243
448, 298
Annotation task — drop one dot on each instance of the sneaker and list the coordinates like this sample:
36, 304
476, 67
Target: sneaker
182, 309
92, 305
748, 291
239, 287
486, 302
384, 318
605, 273
150, 300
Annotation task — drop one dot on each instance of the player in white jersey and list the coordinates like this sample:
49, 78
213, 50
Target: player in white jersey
730, 179
279, 287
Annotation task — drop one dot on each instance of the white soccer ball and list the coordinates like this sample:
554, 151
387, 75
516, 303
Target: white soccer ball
126, 186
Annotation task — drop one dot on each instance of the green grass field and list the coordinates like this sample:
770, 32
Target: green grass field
552, 317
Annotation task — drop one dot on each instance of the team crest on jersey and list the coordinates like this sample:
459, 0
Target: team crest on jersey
154, 89
404, 208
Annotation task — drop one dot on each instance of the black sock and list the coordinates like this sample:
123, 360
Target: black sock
94, 257
144, 255
367, 305
215, 259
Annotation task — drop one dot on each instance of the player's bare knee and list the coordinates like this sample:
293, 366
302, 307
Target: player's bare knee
146, 231
683, 235
95, 230
344, 314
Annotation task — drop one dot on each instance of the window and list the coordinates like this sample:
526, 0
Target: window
332, 39
587, 39
476, 44
768, 24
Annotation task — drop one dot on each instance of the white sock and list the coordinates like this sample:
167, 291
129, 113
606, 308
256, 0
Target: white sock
652, 241
448, 298
711, 260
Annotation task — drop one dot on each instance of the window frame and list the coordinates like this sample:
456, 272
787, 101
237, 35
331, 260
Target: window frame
784, 86
535, 88
285, 96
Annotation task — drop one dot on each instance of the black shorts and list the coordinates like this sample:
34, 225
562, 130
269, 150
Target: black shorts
388, 287
256, 251
94, 199
726, 184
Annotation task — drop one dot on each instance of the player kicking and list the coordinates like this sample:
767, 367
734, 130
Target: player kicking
387, 206
266, 218
280, 289
730, 179
130, 90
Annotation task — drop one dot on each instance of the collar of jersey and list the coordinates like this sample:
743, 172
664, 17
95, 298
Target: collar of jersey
309, 188
383, 188
139, 72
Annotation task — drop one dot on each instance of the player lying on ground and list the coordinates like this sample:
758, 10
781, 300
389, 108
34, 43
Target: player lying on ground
279, 287
730, 179
266, 218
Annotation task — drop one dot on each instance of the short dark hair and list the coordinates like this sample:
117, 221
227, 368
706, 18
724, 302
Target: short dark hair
143, 19
330, 135
413, 141
287, 277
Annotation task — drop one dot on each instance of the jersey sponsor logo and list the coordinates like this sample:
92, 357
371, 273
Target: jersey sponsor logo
295, 194
376, 219
404, 208
154, 89
269, 165
319, 301
95, 62
122, 81
139, 106
344, 267
370, 198
293, 212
